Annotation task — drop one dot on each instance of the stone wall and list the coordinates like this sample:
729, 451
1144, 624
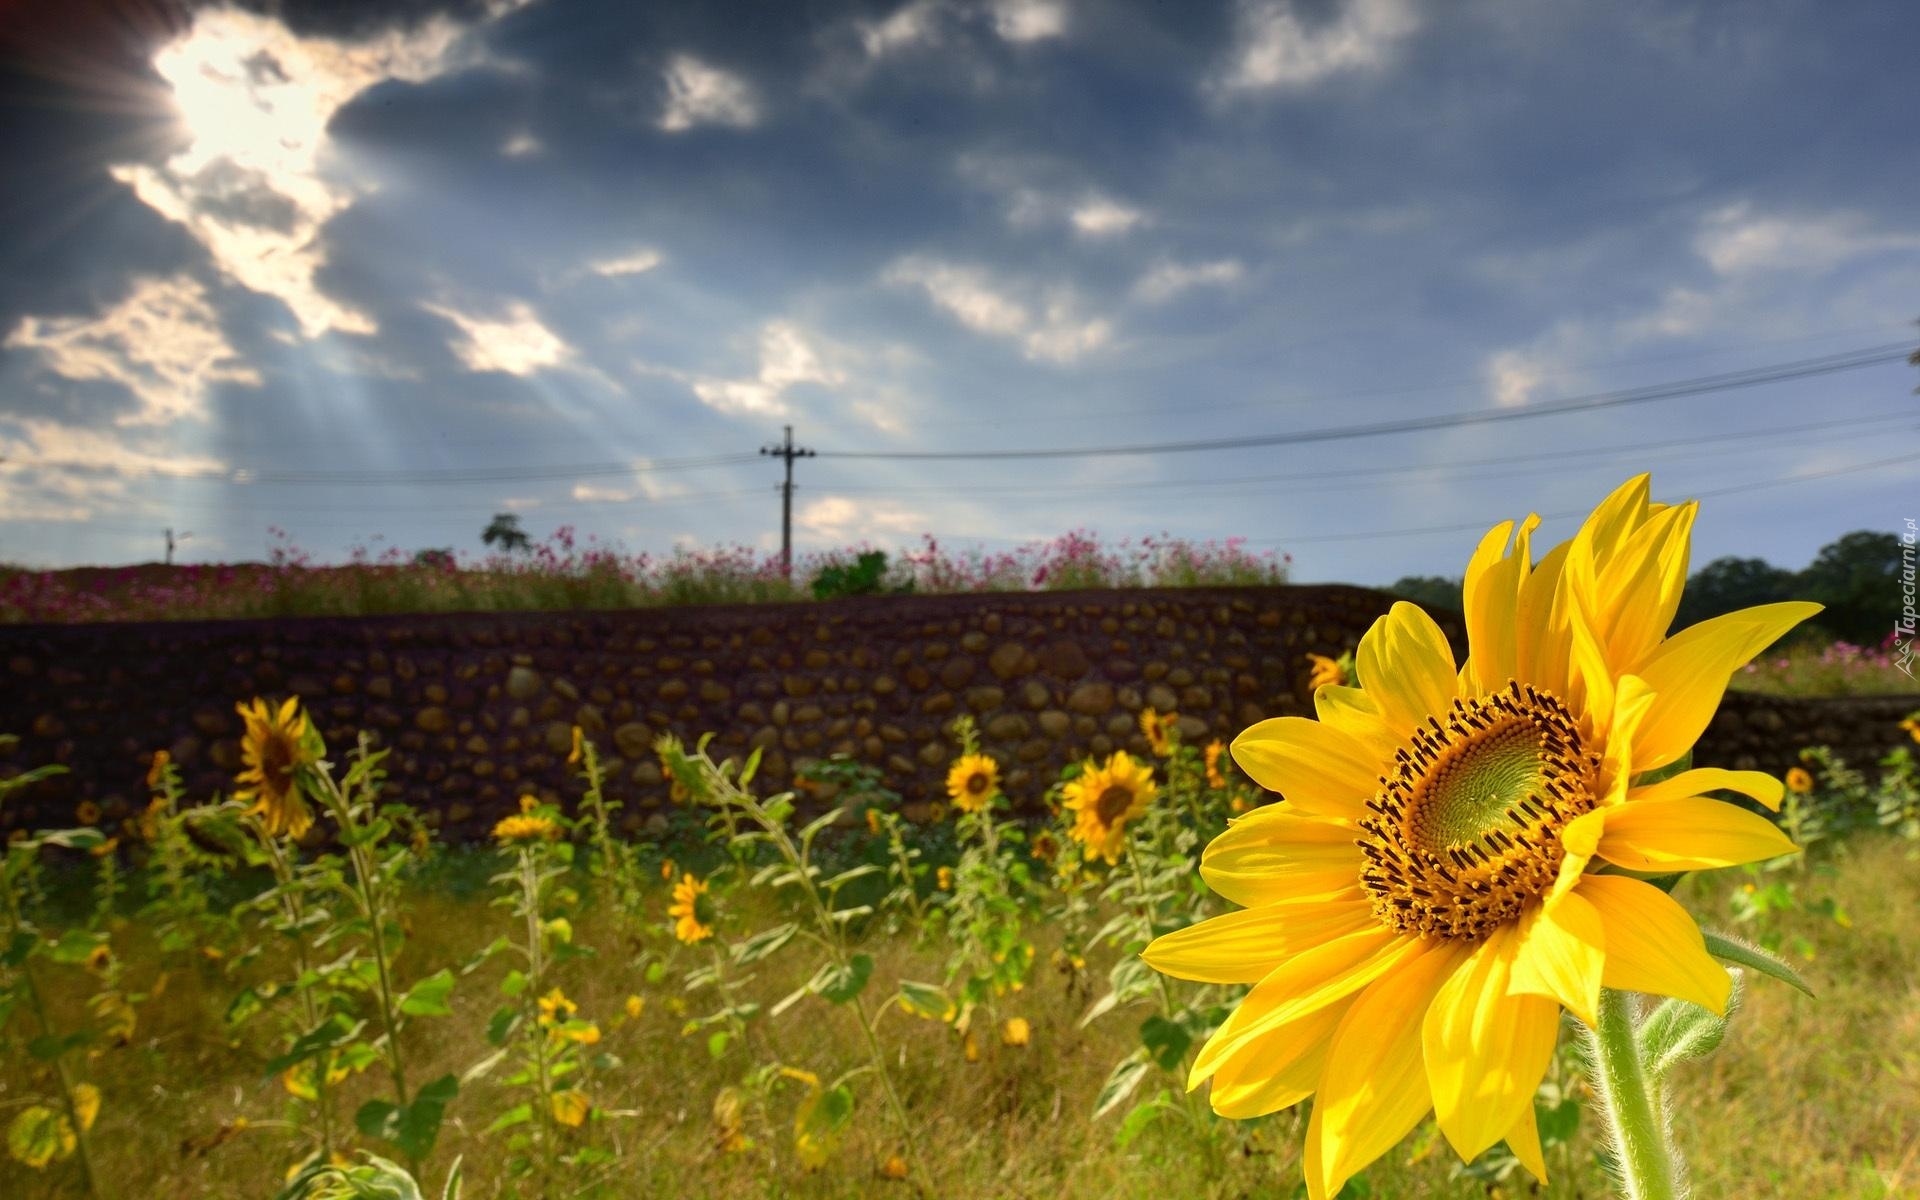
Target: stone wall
478, 709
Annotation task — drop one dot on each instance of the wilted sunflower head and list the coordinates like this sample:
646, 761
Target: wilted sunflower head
1104, 798
972, 782
692, 912
1419, 904
276, 745
1158, 728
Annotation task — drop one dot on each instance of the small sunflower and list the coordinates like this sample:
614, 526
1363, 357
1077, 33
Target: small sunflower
972, 782
277, 744
692, 913
1326, 672
1104, 798
87, 812
1159, 729
556, 1008
894, 1168
1215, 779
1045, 846
1419, 906
1912, 726
1016, 1032
1799, 780
525, 827
635, 1006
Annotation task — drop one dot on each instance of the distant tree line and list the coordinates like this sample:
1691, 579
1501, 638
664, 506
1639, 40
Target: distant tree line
1855, 577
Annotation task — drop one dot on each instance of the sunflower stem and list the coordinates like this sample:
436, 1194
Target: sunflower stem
1648, 1167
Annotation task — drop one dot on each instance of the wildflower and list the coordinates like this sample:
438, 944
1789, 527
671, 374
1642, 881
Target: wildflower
525, 827
570, 1107
1418, 905
1104, 798
894, 1168
972, 782
555, 1008
1799, 780
1215, 779
944, 877
87, 812
1159, 729
1045, 846
635, 1006
156, 773
1016, 1032
1326, 672
690, 910
573, 755
276, 745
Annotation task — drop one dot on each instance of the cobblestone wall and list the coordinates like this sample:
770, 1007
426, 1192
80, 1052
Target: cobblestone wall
478, 709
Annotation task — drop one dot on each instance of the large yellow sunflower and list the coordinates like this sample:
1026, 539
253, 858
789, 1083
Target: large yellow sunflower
1443, 874
1104, 798
691, 911
275, 745
973, 781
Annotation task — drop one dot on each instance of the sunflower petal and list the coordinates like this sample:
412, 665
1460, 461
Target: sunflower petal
1246, 946
1692, 833
1524, 1140
1757, 784
1407, 667
1653, 945
1278, 1069
1562, 954
1319, 768
1276, 853
1541, 650
1490, 596
1352, 711
1689, 671
1374, 1090
1486, 1049
1302, 984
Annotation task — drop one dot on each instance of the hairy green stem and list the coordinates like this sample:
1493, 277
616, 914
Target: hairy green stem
1648, 1167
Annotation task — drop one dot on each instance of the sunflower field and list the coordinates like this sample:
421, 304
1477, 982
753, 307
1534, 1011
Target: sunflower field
1477, 929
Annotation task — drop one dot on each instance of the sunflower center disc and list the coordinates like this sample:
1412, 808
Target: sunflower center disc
977, 783
1112, 803
1466, 827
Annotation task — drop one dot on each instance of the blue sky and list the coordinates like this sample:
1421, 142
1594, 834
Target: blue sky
588, 245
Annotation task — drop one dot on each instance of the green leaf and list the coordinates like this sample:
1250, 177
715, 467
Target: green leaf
1557, 1122
518, 1115
1142, 1115
428, 998
1678, 1031
501, 1025
414, 1127
924, 1000
39, 1135
760, 945
514, 983
74, 946
717, 1043
335, 1031
1121, 1083
1165, 1041
1741, 954
841, 984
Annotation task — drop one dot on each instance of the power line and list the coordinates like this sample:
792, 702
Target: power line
414, 476
1725, 381
1779, 481
1359, 472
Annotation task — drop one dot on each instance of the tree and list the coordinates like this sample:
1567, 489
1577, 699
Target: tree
1430, 592
1855, 577
504, 530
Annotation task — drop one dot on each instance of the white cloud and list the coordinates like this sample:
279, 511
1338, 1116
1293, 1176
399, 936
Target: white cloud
1169, 279
788, 358
1276, 50
521, 145
1734, 241
1050, 328
910, 25
636, 262
1513, 377
841, 519
699, 94
162, 342
516, 343
255, 183
1029, 20
1100, 217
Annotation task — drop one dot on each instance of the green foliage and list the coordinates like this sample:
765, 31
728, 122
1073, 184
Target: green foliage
866, 575
1854, 576
504, 531
1435, 593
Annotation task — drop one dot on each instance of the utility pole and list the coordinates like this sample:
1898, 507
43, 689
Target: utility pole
788, 451
170, 540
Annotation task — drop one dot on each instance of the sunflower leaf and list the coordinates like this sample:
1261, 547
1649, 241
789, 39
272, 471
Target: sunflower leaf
1121, 1083
1741, 954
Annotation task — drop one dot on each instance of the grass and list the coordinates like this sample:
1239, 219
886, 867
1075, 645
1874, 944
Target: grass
1814, 1098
